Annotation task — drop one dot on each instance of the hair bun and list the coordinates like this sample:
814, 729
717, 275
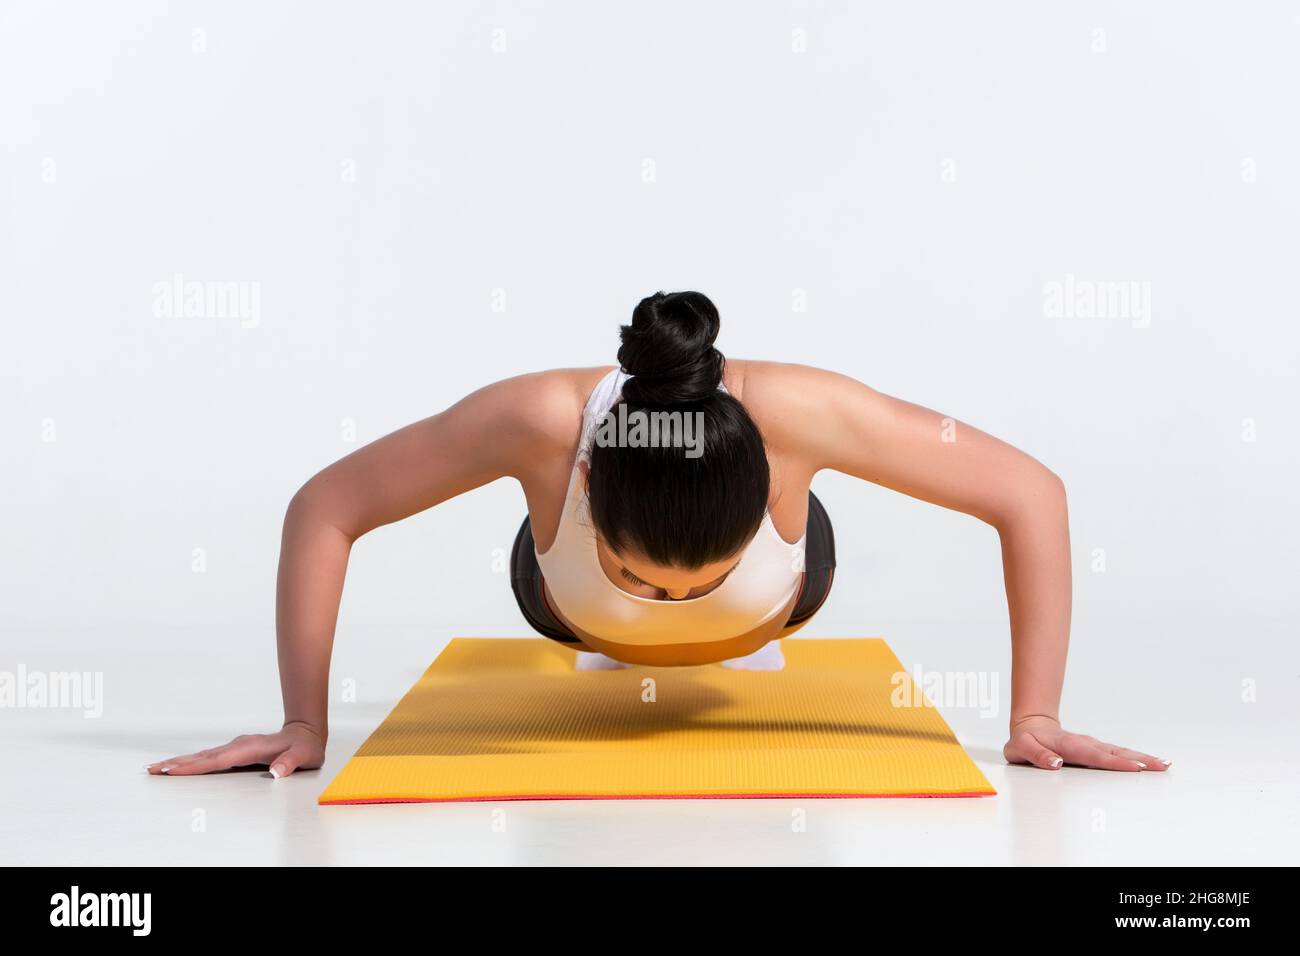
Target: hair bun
668, 350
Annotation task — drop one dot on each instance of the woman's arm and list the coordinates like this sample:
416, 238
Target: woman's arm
502, 430
839, 423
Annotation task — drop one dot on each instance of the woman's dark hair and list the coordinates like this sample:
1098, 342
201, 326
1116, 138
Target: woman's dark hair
660, 502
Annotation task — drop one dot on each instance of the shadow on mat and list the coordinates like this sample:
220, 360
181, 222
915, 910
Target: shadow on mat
507, 713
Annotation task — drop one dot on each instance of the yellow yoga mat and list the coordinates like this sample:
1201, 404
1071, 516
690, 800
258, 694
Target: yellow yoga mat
511, 719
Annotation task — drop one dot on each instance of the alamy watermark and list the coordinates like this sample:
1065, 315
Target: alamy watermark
1074, 298
948, 689
53, 690
75, 908
181, 298
639, 428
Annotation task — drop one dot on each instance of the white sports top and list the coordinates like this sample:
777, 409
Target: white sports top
757, 589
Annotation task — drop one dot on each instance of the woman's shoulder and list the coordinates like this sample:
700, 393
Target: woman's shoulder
545, 407
787, 400
558, 386
765, 387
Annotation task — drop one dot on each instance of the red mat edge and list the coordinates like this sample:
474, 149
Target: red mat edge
665, 796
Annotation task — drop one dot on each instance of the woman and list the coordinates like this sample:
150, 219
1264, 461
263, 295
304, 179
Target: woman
670, 521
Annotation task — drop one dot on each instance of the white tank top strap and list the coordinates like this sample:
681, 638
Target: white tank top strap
602, 399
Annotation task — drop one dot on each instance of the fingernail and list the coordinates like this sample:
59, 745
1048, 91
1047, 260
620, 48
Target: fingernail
1140, 764
166, 770
1056, 763
1167, 763
275, 773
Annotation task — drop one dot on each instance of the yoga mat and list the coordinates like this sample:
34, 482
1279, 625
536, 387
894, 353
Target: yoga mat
511, 719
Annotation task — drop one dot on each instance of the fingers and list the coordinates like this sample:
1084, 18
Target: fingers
1087, 752
156, 768
1152, 762
1026, 748
240, 752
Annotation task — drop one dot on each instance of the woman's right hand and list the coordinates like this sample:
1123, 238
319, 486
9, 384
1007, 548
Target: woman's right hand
295, 747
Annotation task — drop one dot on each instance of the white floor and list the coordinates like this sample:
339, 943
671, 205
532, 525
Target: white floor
74, 790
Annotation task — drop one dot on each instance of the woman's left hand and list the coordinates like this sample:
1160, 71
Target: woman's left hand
1042, 743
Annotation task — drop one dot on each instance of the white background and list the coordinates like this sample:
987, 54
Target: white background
920, 171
